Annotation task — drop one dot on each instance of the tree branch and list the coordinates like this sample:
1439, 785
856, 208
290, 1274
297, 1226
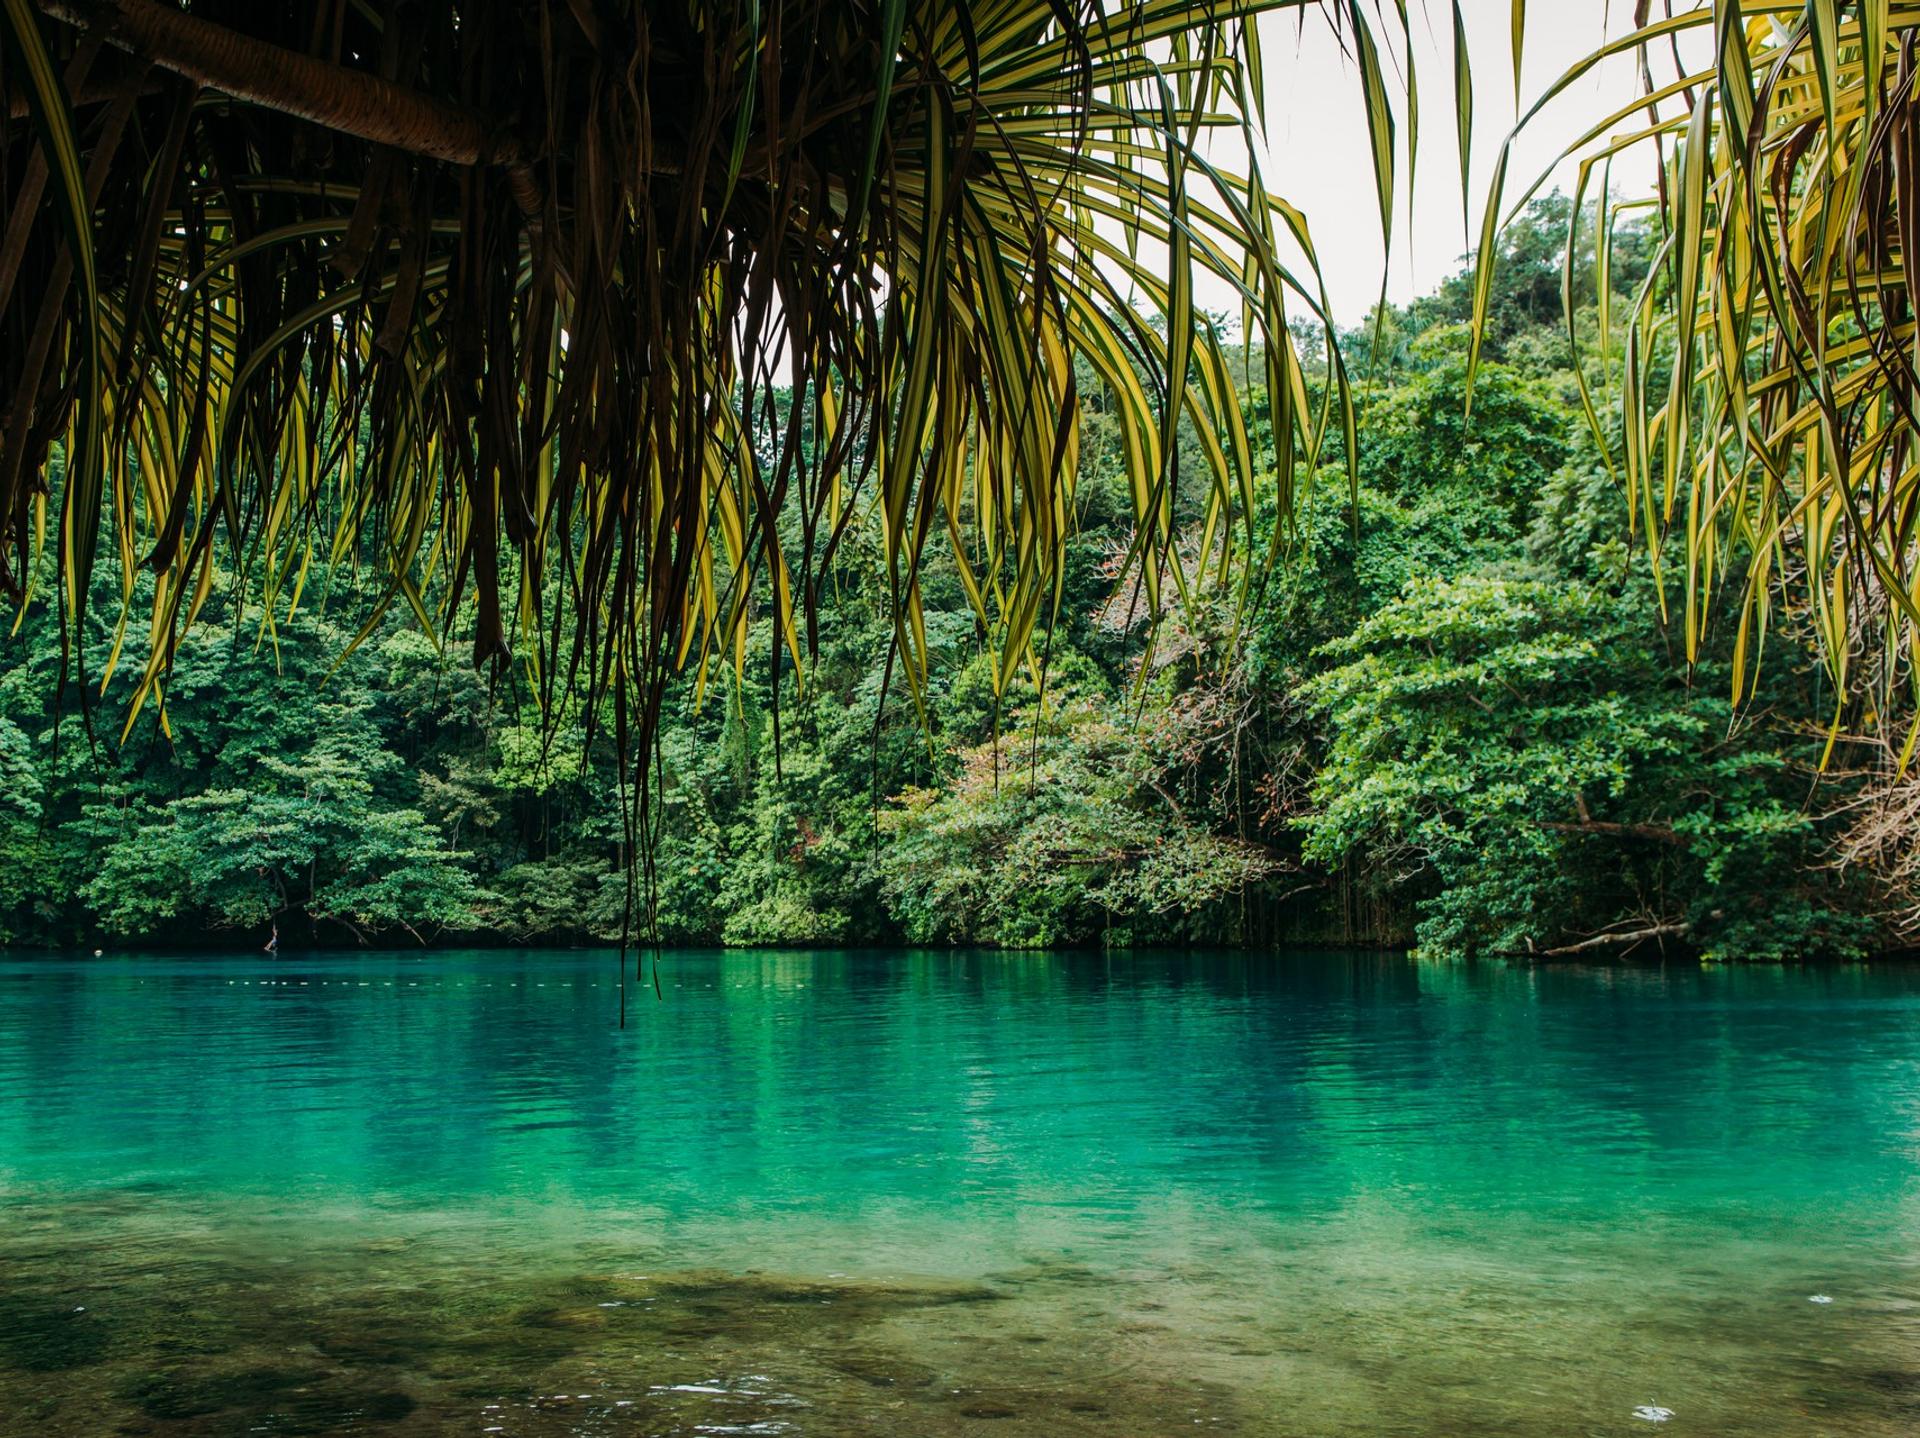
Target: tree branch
1657, 833
352, 102
1608, 940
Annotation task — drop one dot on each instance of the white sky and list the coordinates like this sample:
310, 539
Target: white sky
1319, 155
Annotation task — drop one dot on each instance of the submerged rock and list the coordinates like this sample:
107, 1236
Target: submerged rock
183, 1393
49, 1339
988, 1409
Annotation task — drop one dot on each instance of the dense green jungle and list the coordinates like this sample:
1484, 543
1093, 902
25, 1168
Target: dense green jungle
1451, 713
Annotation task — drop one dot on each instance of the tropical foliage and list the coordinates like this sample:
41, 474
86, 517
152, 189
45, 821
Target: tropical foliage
1765, 374
814, 340
1454, 717
618, 317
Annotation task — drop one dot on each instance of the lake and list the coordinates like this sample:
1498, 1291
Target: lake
944, 1193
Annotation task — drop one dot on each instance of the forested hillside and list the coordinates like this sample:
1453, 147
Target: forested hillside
1448, 713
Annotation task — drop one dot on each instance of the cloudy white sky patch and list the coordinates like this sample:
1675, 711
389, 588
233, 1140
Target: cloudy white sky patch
1318, 154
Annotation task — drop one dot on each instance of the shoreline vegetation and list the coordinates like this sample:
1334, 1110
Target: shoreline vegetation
1450, 716
223, 944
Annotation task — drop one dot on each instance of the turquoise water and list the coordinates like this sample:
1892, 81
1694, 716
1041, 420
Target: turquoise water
829, 1193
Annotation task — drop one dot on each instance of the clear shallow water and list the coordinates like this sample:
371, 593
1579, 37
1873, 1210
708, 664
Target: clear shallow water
902, 1194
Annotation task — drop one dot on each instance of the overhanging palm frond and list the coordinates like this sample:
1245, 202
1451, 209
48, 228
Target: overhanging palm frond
497, 299
1769, 398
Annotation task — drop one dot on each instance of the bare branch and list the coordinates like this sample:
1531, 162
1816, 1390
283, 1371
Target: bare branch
1629, 937
1653, 833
